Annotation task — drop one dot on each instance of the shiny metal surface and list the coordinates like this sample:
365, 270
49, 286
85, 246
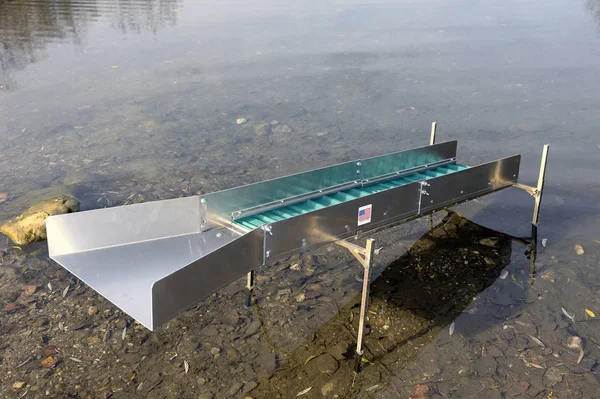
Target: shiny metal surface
223, 204
123, 252
470, 183
156, 259
185, 287
340, 221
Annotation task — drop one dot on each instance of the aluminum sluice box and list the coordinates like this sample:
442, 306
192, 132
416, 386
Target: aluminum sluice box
156, 259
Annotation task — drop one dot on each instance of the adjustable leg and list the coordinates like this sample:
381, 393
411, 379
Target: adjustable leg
364, 303
365, 257
540, 186
433, 130
536, 192
432, 142
250, 286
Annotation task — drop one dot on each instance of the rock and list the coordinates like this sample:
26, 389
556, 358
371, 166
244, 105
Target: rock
489, 242
325, 364
215, 351
552, 376
18, 384
253, 328
327, 388
300, 297
235, 388
489, 261
421, 392
574, 342
92, 310
579, 249
283, 129
241, 121
262, 129
30, 226
490, 393
249, 386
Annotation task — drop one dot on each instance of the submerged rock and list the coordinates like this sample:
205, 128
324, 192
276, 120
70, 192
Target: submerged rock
262, 129
30, 226
282, 129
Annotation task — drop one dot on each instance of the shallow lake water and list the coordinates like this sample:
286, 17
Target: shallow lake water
128, 101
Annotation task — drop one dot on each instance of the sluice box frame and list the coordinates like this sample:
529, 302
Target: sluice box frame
154, 260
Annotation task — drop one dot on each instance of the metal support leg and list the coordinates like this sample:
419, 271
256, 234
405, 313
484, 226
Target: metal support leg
536, 192
540, 185
365, 257
433, 129
364, 303
432, 142
250, 286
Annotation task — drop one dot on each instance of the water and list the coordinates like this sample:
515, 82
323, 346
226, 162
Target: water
120, 102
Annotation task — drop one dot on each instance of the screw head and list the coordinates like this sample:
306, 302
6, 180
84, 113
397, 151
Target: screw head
268, 253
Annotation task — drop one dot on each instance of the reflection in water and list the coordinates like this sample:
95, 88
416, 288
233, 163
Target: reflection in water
593, 7
26, 28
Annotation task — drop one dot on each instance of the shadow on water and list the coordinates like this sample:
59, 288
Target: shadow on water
27, 28
415, 298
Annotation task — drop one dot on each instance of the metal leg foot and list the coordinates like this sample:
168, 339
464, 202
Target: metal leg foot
533, 253
358, 362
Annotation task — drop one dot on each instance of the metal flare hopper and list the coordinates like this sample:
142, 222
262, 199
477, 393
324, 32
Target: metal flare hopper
156, 259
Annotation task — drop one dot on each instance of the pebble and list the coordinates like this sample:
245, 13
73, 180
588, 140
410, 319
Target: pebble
579, 249
552, 376
241, 121
253, 328
574, 342
249, 386
262, 129
325, 364
235, 388
300, 297
489, 242
92, 310
215, 351
283, 129
327, 388
321, 134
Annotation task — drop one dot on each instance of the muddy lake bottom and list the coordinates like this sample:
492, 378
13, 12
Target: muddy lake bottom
453, 313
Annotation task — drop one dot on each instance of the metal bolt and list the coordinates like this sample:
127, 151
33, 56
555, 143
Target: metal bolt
203, 200
462, 192
358, 171
219, 234
358, 163
268, 253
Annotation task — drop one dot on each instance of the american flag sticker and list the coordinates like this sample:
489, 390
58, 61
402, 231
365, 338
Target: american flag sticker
364, 214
